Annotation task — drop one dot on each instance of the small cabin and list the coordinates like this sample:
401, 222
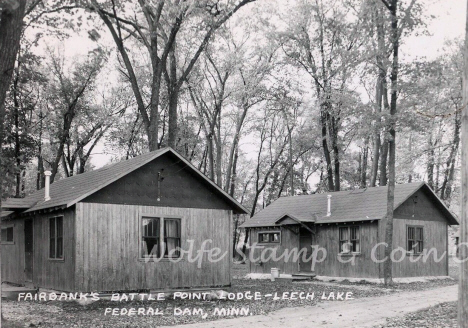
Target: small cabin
348, 227
128, 226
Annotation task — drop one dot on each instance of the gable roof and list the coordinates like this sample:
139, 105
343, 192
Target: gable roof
69, 191
347, 206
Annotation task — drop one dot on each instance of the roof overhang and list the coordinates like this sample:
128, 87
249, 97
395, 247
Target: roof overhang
236, 206
285, 219
451, 218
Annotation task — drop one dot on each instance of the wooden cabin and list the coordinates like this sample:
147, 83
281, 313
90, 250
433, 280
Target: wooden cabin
348, 225
98, 231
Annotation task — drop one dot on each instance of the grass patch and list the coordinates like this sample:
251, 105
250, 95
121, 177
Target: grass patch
443, 315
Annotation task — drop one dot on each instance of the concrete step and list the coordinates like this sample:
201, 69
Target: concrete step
304, 274
11, 292
300, 278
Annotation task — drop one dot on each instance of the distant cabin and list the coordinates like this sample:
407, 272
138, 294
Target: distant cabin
348, 225
100, 230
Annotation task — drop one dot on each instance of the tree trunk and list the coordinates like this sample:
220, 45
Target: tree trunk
17, 137
234, 149
383, 163
211, 157
391, 147
446, 188
40, 160
463, 251
234, 174
430, 165
384, 153
234, 234
336, 153
173, 101
365, 153
11, 23
291, 164
326, 151
379, 89
219, 156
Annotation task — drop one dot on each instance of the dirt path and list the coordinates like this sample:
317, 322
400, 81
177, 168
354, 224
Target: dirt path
365, 312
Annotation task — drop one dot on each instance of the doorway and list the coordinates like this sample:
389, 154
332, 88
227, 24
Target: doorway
305, 242
28, 250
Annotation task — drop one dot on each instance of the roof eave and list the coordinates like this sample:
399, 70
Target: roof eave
237, 207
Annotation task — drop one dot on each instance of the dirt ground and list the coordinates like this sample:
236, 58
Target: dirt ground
372, 304
366, 312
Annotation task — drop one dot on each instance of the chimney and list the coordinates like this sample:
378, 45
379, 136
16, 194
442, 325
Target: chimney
47, 185
329, 205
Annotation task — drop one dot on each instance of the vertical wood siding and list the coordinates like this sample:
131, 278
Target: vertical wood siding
13, 254
51, 273
289, 241
47, 273
435, 236
420, 207
327, 238
363, 267
107, 248
179, 185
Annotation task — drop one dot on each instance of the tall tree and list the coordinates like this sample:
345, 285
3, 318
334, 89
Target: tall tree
324, 43
463, 282
392, 7
158, 32
11, 25
66, 98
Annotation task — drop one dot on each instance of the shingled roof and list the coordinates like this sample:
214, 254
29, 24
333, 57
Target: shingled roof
347, 206
69, 191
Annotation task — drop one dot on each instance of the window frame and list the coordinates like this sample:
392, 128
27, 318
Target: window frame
349, 239
141, 236
62, 258
414, 250
270, 232
162, 244
6, 227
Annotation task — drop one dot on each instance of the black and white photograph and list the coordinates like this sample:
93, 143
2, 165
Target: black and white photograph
234, 163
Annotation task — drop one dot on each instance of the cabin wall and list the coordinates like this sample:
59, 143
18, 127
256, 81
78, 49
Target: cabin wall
360, 265
419, 210
52, 273
46, 273
164, 182
289, 241
435, 237
107, 248
327, 238
420, 206
13, 254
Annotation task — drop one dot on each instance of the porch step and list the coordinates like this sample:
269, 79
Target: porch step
303, 276
299, 278
11, 292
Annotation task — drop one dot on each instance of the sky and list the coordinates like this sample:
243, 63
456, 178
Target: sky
448, 23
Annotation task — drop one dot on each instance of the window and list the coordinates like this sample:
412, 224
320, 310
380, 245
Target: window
269, 237
7, 235
150, 237
155, 229
172, 238
349, 240
415, 239
56, 238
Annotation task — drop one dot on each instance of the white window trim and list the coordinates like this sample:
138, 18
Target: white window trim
161, 236
6, 226
56, 259
269, 243
350, 253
